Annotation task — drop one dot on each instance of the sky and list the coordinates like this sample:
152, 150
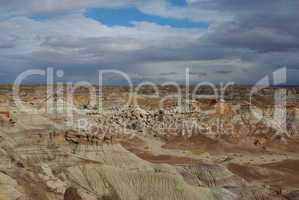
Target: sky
150, 40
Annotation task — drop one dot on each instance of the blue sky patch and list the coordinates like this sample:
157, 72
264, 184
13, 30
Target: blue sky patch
180, 3
125, 17
40, 18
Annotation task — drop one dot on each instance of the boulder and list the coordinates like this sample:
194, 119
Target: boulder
72, 194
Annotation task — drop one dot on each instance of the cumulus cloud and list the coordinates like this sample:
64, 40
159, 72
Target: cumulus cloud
244, 41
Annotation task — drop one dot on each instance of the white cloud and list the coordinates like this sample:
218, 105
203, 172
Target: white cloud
247, 39
74, 40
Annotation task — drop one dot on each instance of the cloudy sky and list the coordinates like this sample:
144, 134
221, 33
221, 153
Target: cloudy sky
153, 40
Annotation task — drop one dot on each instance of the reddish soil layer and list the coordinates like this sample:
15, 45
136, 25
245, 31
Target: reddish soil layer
137, 147
284, 174
288, 166
202, 143
165, 159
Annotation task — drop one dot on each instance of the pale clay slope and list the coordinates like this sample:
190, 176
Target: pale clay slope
121, 176
137, 180
106, 172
